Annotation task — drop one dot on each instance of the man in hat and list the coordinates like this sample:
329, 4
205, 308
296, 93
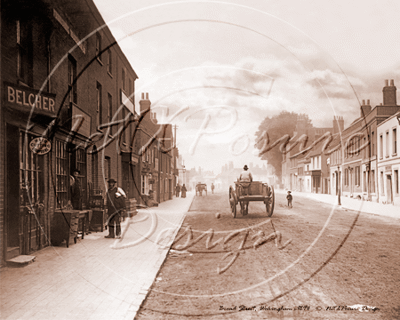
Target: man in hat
115, 204
245, 179
76, 191
289, 198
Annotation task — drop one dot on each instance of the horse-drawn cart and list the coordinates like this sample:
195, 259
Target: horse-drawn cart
200, 187
244, 192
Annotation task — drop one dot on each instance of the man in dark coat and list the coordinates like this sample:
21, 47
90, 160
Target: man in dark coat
115, 204
177, 190
76, 191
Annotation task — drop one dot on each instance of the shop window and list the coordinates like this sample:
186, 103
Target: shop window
382, 184
61, 174
364, 181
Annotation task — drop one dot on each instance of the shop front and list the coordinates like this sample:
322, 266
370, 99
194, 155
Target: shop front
27, 169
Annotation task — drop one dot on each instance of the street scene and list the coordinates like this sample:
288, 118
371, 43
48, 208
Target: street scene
326, 264
199, 159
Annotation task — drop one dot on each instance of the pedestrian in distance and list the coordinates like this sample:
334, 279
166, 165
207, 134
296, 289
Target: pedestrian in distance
183, 191
177, 190
212, 188
115, 206
289, 198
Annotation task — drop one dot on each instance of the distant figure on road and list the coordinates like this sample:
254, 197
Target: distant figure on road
212, 188
289, 198
177, 190
183, 191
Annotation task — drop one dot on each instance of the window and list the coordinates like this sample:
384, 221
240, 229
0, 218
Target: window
373, 144
72, 80
372, 181
24, 44
394, 141
99, 104
109, 61
61, 174
357, 176
387, 144
346, 177
365, 181
381, 146
123, 79
98, 46
110, 113
396, 181
123, 124
107, 168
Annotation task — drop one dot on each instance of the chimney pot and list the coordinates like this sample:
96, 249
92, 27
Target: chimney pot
368, 102
386, 83
147, 96
142, 95
392, 83
363, 102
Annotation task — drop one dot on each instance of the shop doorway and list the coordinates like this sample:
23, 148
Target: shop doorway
389, 189
26, 214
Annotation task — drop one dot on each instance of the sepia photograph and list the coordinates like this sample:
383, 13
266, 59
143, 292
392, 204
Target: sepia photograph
199, 159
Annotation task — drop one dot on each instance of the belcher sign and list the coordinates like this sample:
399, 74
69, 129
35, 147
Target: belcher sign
23, 97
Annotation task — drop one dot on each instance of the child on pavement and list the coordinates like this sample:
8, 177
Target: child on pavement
289, 198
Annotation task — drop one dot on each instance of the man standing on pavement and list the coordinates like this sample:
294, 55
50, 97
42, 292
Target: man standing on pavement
115, 204
76, 191
177, 190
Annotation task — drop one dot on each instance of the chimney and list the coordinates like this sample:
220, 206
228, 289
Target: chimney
338, 124
389, 94
145, 104
365, 108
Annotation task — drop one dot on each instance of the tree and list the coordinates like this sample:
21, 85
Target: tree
273, 129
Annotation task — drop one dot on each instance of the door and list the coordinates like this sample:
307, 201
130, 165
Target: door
389, 189
13, 189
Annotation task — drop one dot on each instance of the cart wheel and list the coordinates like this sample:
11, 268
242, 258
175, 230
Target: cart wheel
270, 202
232, 201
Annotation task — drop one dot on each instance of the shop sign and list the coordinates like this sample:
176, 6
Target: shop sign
24, 98
40, 146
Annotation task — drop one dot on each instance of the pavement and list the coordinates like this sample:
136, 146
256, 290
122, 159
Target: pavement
387, 210
97, 278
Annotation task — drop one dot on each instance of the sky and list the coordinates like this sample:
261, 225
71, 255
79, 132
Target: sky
216, 69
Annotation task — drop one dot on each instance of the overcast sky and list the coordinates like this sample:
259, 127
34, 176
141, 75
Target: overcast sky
230, 64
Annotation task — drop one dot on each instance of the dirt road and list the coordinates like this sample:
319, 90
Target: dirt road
306, 262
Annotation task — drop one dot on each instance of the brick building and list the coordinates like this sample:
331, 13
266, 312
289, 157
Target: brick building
62, 86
